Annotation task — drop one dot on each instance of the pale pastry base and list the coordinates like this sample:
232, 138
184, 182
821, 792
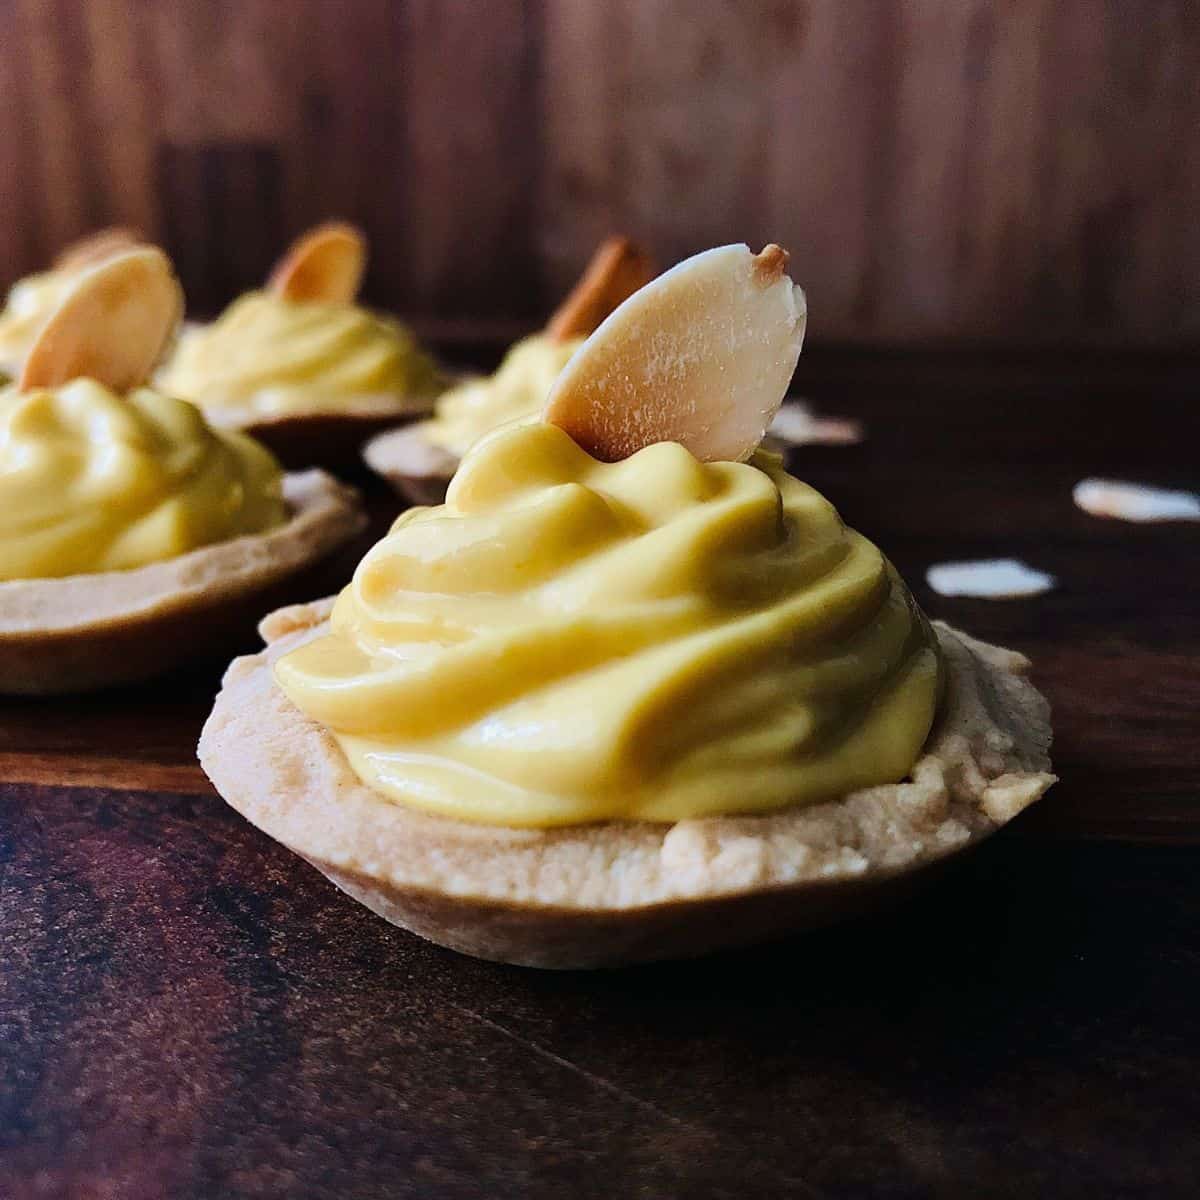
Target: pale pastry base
419, 470
333, 435
84, 632
624, 891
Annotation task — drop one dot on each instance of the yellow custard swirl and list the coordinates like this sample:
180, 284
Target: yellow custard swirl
566, 641
30, 303
280, 357
518, 389
93, 481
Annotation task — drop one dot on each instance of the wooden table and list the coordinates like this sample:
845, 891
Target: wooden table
188, 1010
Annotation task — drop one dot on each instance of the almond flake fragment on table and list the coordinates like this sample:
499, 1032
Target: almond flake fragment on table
1135, 501
796, 424
990, 578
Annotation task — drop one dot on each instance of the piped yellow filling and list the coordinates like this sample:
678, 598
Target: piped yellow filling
286, 357
516, 391
93, 481
567, 641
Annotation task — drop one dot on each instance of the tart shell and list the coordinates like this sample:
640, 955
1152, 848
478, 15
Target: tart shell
330, 437
419, 470
84, 632
623, 891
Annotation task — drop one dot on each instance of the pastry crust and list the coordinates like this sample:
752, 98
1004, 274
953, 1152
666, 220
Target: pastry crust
624, 891
334, 436
84, 632
419, 470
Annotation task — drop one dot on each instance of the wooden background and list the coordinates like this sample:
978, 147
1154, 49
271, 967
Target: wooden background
1021, 171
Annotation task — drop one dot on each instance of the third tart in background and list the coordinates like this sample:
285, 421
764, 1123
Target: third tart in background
419, 460
300, 364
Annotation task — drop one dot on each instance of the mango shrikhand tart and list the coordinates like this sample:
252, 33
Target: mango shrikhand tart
632, 691
300, 365
419, 460
134, 535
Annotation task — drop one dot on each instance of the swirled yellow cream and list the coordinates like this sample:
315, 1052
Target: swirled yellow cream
278, 357
518, 389
566, 641
30, 302
93, 481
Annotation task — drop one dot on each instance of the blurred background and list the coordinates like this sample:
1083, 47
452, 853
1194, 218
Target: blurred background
1020, 172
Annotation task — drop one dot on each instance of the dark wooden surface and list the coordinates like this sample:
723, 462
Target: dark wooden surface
187, 1010
1015, 170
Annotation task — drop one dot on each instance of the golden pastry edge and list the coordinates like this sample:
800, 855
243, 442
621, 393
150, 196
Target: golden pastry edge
619, 892
83, 632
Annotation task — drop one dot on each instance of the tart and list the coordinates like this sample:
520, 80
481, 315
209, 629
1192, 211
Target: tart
299, 364
633, 692
419, 460
133, 536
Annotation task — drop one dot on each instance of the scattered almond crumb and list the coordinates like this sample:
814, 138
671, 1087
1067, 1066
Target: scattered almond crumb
991, 578
796, 424
1135, 501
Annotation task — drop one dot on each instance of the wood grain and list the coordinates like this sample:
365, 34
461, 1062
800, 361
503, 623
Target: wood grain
1012, 171
191, 1011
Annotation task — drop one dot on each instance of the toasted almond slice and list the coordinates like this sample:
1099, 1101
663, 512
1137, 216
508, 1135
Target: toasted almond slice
616, 271
703, 355
95, 248
112, 326
325, 264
